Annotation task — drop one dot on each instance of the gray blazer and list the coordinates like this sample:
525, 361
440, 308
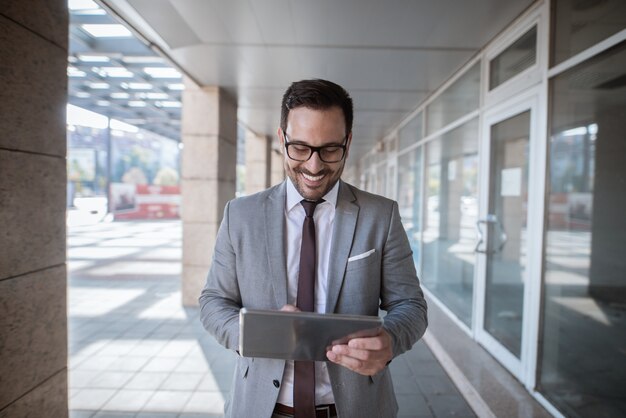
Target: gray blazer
249, 269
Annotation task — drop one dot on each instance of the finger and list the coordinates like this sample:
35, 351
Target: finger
365, 368
364, 355
345, 360
370, 343
289, 308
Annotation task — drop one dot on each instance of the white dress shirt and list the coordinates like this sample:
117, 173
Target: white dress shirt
324, 217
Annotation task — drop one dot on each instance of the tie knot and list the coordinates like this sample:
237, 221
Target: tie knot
309, 206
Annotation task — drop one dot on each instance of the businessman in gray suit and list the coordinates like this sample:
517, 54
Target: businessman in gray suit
360, 261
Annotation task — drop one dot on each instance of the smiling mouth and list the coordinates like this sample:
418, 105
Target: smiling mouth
313, 178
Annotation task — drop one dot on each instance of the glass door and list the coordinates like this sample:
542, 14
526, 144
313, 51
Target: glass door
504, 233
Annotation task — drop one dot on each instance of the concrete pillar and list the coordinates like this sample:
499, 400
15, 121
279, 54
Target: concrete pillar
209, 134
277, 167
258, 162
33, 284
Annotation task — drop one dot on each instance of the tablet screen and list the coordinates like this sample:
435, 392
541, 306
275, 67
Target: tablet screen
299, 335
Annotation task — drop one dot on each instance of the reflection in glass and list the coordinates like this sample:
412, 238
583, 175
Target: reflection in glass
582, 362
450, 216
459, 99
410, 197
522, 54
411, 133
506, 229
578, 25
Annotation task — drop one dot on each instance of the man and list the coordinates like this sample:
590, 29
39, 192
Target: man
361, 261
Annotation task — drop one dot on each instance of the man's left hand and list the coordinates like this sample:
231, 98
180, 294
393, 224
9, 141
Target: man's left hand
366, 356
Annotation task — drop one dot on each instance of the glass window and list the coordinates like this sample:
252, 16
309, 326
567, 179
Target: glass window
381, 179
506, 231
411, 133
459, 99
583, 346
578, 25
522, 54
450, 218
410, 197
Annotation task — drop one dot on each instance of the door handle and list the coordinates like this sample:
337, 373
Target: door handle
490, 219
480, 236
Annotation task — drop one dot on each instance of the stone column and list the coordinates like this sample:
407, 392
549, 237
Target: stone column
209, 135
258, 162
33, 284
277, 167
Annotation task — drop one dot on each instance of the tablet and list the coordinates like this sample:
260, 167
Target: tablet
299, 335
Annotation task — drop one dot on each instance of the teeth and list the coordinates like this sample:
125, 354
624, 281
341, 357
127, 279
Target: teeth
313, 178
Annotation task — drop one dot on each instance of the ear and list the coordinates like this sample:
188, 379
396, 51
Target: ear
281, 139
348, 142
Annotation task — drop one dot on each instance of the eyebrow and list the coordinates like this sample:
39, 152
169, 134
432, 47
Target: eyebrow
300, 142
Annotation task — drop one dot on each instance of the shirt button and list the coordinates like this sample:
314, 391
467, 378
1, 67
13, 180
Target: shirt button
276, 383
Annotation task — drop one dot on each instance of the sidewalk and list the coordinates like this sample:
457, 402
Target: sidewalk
134, 351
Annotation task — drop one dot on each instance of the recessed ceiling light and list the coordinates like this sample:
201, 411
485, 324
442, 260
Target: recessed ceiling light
139, 86
162, 72
136, 103
93, 58
75, 72
82, 95
103, 103
168, 104
154, 96
114, 30
176, 86
98, 86
119, 95
142, 60
116, 72
82, 5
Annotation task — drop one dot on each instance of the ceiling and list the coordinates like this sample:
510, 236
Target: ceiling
390, 55
120, 77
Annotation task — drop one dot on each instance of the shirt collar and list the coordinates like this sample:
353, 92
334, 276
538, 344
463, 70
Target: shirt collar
294, 198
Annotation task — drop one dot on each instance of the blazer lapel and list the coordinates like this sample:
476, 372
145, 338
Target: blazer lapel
346, 214
274, 208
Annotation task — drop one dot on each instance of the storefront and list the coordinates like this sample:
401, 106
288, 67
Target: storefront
511, 182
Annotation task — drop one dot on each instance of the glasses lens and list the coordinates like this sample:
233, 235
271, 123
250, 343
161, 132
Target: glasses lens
331, 154
298, 152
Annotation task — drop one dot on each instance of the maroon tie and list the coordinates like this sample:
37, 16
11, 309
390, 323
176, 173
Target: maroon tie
304, 371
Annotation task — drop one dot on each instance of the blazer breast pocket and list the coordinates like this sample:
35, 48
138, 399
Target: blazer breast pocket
362, 259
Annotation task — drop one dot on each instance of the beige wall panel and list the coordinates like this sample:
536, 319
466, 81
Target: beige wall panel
33, 327
200, 115
209, 158
47, 400
49, 18
194, 278
33, 192
200, 154
277, 168
200, 201
198, 243
34, 89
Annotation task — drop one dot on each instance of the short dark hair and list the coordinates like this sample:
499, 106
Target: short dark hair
316, 94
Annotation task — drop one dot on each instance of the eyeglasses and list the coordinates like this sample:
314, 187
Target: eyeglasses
327, 153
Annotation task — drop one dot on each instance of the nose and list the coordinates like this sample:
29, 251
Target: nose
314, 164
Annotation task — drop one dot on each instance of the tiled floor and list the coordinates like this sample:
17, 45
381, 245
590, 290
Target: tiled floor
136, 352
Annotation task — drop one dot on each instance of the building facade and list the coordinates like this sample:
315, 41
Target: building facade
511, 181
